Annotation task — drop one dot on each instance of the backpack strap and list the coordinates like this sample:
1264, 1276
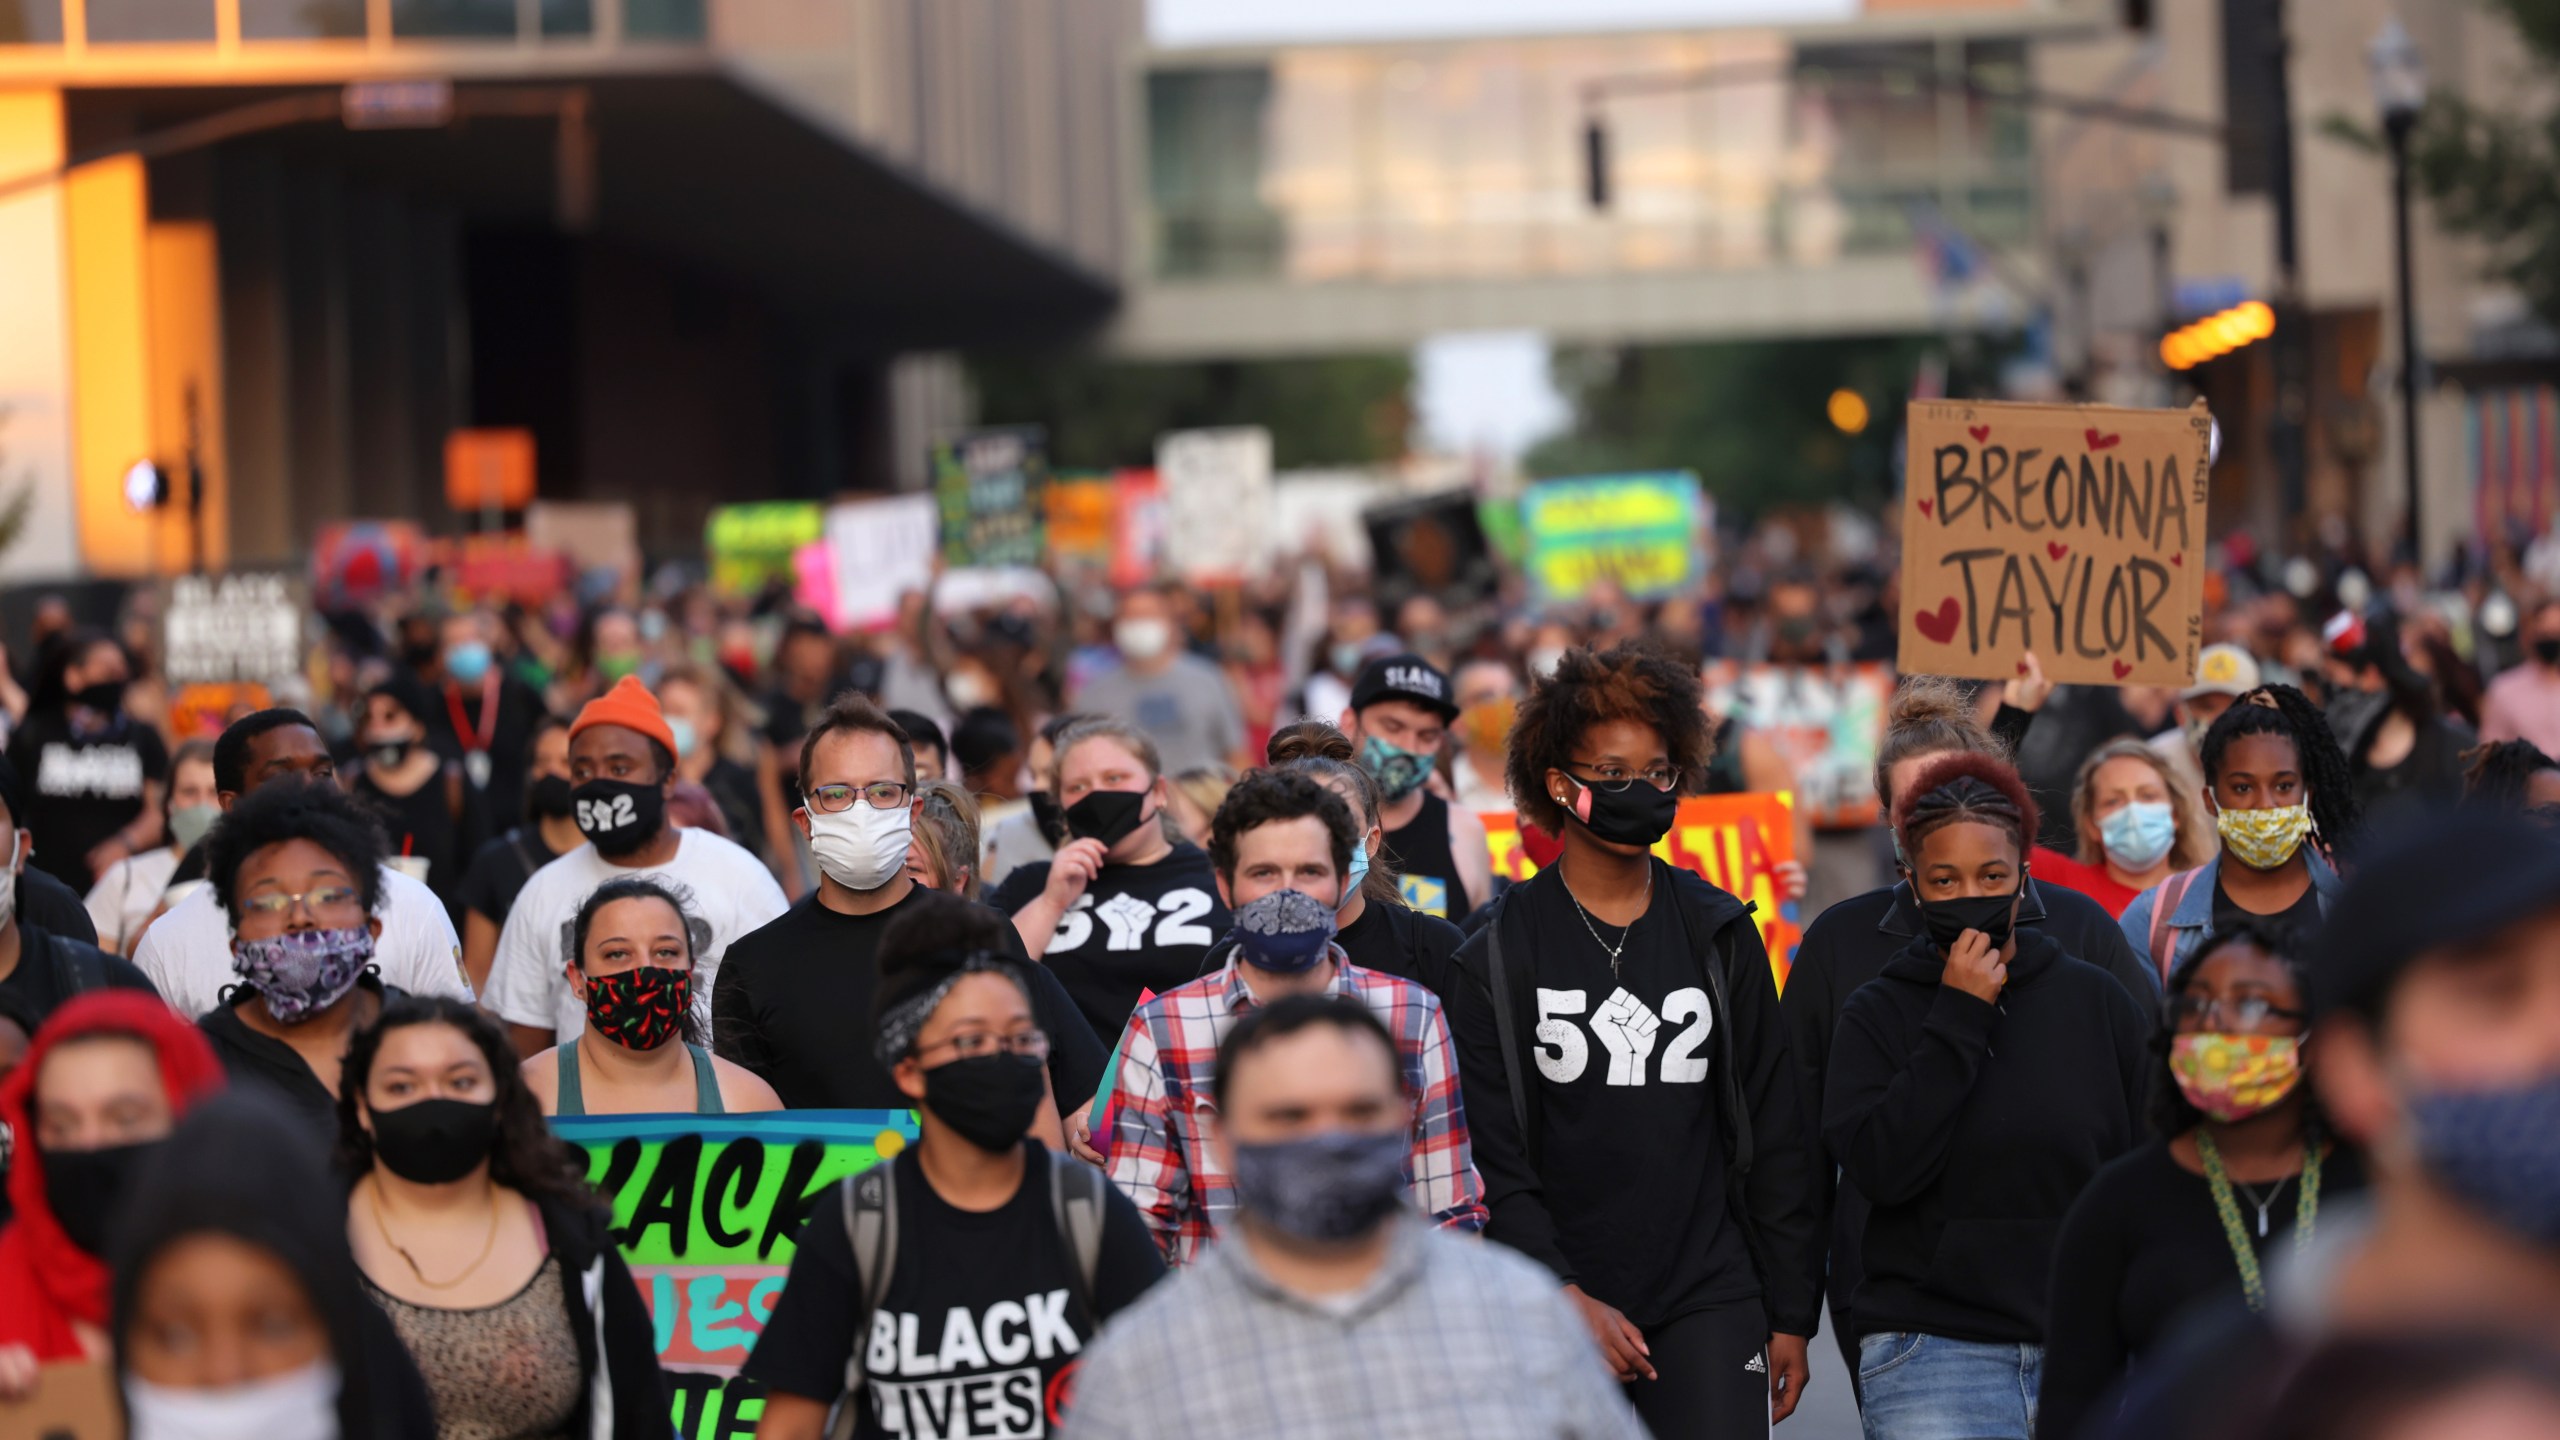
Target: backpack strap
871, 1223
1506, 1022
2164, 903
1075, 1198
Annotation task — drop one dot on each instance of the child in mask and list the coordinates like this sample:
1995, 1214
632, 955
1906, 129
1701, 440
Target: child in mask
1010, 1255
2281, 795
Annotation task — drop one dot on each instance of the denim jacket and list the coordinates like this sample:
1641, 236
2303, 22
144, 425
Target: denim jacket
2194, 913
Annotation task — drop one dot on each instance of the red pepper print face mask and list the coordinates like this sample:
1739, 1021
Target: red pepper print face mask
641, 1008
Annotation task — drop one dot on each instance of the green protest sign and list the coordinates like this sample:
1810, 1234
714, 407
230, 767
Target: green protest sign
753, 543
992, 488
708, 1210
1640, 531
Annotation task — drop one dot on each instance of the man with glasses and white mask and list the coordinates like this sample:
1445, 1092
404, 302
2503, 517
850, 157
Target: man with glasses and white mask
622, 767
784, 993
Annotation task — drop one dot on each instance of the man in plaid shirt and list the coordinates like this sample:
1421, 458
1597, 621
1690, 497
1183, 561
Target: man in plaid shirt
1282, 845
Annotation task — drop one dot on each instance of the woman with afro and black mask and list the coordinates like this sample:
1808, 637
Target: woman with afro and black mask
1626, 1080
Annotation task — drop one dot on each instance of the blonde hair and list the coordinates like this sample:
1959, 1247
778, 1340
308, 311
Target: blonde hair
1205, 786
2195, 841
946, 831
1102, 727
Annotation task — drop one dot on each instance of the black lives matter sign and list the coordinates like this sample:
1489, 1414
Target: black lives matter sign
2074, 531
220, 630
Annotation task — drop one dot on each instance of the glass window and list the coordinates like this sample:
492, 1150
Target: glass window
453, 19
1205, 171
126, 21
568, 17
30, 22
663, 19
301, 19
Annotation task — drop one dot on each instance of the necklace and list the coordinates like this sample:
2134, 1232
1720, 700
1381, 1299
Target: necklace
374, 1203
2250, 1194
1613, 951
2306, 1212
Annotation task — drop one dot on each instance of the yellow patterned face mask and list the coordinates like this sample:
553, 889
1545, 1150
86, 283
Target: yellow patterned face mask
2263, 839
2232, 1077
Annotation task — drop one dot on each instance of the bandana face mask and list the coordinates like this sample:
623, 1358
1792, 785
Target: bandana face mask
641, 1008
2263, 839
302, 973
1287, 932
2232, 1077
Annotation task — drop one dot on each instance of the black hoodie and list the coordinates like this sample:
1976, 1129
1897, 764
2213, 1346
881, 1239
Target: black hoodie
1971, 1127
243, 1165
1756, 1222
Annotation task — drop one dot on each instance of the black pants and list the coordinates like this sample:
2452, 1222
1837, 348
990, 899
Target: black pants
1714, 1369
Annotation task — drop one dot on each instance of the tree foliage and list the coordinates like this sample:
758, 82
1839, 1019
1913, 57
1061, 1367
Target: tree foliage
2494, 175
1100, 414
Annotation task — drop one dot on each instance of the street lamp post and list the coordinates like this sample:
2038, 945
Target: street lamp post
2400, 93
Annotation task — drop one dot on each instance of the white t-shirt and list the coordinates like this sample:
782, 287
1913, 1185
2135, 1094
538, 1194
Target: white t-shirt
727, 889
187, 952
126, 894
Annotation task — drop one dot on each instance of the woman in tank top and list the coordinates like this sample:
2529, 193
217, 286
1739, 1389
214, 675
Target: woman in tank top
631, 957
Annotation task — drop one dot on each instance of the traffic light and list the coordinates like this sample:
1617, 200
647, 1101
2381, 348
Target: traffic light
2217, 335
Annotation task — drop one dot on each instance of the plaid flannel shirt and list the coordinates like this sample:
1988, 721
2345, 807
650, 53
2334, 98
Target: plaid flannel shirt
1159, 1150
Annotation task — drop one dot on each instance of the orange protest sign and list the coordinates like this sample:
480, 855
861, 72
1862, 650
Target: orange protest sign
202, 712
488, 469
2075, 531
1737, 842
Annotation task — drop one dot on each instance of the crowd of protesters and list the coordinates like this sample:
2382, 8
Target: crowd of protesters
2163, 1062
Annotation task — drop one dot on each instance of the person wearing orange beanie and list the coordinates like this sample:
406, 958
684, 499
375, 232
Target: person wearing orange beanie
622, 770
117, 1068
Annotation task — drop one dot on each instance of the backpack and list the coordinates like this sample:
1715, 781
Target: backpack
2164, 903
871, 1223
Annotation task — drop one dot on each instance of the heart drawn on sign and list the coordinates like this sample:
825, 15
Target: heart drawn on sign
2179, 559
2122, 669
1981, 433
2056, 549
2101, 442
1927, 507
1940, 624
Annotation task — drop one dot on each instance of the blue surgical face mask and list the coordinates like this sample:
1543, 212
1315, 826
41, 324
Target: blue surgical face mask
2138, 834
685, 738
1359, 859
467, 662
2497, 1152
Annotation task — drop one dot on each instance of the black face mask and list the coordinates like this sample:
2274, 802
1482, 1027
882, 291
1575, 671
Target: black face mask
987, 1100
551, 795
434, 1142
1635, 814
1106, 815
1949, 919
1050, 816
2547, 649
423, 653
620, 816
84, 1187
106, 697
389, 754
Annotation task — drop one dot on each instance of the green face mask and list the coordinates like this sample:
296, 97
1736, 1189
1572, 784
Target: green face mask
188, 823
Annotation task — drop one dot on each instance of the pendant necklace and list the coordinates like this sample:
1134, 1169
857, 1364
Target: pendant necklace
1613, 951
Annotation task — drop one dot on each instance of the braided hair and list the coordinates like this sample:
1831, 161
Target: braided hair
1965, 786
2498, 773
2282, 710
2171, 1114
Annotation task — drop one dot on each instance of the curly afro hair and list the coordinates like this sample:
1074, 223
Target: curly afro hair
289, 809
1984, 789
1636, 681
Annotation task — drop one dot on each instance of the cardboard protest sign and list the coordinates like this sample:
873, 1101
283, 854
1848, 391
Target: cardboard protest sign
991, 487
752, 544
1217, 502
234, 628
1736, 841
1825, 721
1641, 531
591, 535
2075, 531
1431, 545
707, 1210
73, 1400
878, 551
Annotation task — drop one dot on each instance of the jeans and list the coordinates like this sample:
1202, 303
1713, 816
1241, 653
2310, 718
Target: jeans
1928, 1387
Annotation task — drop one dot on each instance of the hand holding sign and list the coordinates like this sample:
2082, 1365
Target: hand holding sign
2060, 530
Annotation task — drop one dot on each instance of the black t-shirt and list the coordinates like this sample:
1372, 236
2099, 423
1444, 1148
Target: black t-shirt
1425, 865
732, 787
981, 1324
2301, 919
786, 722
2140, 1248
1135, 928
253, 1057
793, 1004
1633, 1162
425, 823
49, 971
81, 789
1396, 941
497, 874
509, 739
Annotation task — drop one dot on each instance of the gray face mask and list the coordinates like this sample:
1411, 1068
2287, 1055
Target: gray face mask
1325, 1188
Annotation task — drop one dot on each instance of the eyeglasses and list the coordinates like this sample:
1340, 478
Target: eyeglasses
836, 799
1613, 779
2212, 1012
1031, 1044
326, 897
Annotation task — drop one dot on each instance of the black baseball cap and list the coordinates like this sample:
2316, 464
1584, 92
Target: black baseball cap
2445, 879
1404, 677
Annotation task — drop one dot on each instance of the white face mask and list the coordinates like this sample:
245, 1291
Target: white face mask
297, 1405
861, 848
9, 880
1142, 638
